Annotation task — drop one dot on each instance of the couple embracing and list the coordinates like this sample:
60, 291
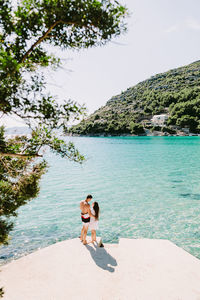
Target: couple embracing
89, 217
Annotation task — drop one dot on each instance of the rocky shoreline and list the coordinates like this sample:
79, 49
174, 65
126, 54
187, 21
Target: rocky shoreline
154, 133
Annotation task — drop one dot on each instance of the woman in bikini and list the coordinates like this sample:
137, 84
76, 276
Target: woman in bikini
94, 220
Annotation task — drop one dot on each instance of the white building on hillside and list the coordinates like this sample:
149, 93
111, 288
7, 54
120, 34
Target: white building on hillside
159, 120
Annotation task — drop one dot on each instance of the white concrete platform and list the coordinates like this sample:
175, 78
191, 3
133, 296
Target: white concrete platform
66, 270
133, 269
157, 270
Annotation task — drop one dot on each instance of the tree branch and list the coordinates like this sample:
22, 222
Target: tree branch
2, 115
39, 41
45, 35
20, 155
28, 116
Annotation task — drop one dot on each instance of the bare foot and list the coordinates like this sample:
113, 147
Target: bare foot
84, 242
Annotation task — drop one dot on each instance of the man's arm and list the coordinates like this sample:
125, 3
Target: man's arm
89, 211
81, 205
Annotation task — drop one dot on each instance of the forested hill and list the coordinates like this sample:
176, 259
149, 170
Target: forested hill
175, 93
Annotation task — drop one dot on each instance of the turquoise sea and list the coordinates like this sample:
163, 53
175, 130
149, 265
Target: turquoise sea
147, 187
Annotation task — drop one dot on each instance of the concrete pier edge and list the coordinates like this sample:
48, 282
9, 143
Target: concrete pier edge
141, 269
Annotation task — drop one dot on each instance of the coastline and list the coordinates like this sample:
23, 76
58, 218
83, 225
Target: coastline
156, 134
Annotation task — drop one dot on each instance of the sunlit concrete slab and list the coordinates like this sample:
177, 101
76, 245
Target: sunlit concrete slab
66, 270
157, 270
139, 269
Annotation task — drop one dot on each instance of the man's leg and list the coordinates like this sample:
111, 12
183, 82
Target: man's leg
82, 232
85, 234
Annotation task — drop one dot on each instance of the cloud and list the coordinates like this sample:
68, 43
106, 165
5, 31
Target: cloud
192, 23
188, 23
173, 28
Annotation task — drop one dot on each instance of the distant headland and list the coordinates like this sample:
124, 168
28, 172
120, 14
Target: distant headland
165, 104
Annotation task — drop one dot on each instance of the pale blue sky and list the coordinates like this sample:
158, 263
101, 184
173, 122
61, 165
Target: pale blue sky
161, 35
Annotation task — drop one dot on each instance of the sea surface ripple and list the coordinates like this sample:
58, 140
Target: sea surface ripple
147, 187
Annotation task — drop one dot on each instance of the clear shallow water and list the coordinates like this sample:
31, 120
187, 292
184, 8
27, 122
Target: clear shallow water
147, 187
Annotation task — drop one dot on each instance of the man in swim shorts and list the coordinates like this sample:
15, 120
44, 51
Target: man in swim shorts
85, 217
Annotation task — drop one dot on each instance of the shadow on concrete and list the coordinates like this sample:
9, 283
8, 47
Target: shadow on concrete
102, 258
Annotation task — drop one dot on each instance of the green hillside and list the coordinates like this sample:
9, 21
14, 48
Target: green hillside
175, 93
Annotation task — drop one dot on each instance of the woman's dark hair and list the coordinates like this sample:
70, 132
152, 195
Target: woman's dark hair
96, 210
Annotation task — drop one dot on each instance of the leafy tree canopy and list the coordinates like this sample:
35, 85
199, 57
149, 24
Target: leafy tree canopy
26, 29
